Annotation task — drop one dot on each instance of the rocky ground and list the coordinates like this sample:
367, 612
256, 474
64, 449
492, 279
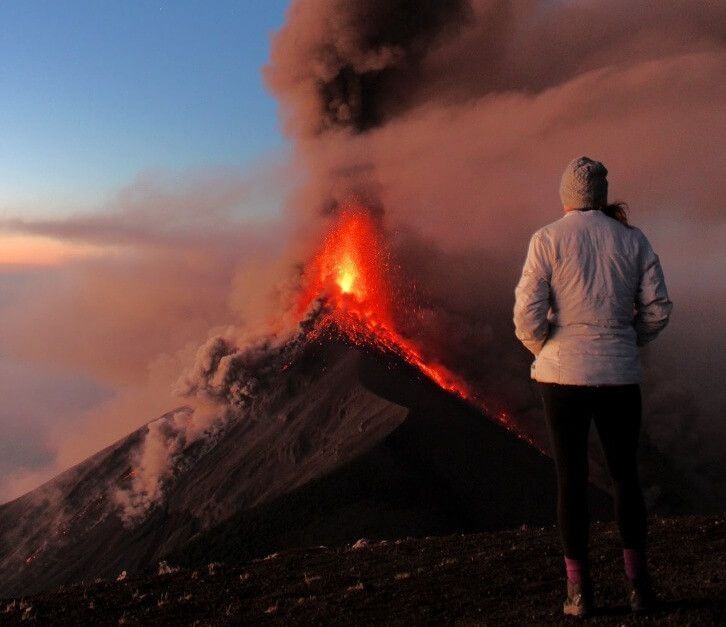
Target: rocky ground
508, 577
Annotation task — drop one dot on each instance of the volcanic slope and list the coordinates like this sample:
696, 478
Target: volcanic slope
339, 442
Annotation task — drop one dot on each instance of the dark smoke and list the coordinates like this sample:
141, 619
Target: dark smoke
343, 58
359, 64
458, 124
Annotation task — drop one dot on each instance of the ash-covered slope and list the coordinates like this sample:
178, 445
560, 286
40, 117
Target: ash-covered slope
338, 442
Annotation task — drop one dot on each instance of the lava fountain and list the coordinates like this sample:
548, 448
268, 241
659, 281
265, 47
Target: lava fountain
346, 279
348, 275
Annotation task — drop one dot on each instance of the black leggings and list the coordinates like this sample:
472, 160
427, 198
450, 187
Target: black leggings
617, 413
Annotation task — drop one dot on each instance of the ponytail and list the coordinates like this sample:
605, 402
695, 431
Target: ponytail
617, 211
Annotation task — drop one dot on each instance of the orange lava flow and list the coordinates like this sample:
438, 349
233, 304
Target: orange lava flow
349, 274
347, 278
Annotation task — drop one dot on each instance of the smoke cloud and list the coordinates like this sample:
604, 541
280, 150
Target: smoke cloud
219, 388
97, 344
458, 126
337, 63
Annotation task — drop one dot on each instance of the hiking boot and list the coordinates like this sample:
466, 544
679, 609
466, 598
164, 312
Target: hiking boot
640, 595
579, 599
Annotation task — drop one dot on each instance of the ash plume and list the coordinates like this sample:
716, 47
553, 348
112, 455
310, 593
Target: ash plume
338, 60
218, 388
457, 127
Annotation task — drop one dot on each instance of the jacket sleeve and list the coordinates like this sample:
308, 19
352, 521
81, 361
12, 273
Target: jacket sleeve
532, 297
652, 305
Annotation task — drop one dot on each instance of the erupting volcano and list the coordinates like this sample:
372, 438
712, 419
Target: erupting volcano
368, 401
340, 430
349, 276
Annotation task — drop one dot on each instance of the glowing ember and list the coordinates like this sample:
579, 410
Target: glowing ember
349, 274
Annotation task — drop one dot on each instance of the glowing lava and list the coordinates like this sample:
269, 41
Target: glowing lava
349, 275
347, 278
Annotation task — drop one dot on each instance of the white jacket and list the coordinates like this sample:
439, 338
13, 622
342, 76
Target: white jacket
591, 292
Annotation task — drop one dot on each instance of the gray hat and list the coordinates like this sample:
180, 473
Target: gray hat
584, 184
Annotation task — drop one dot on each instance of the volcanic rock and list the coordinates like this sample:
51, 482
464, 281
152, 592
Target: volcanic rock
510, 577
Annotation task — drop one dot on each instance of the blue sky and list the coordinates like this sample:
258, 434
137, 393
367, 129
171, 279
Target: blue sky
95, 92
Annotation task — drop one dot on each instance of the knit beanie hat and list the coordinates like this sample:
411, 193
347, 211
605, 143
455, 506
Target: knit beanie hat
584, 184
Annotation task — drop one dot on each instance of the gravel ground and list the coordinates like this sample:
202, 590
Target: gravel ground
500, 578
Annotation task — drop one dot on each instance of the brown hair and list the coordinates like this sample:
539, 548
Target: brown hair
617, 211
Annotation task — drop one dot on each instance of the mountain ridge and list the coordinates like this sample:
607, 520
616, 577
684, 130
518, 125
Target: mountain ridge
327, 412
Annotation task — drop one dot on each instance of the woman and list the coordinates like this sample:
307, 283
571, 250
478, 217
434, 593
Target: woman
591, 292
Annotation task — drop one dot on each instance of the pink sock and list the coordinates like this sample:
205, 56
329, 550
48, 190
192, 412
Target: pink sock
575, 570
634, 562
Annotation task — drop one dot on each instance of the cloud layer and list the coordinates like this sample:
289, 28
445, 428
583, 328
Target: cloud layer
115, 330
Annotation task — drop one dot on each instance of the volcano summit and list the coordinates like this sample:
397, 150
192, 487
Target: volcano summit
339, 441
340, 430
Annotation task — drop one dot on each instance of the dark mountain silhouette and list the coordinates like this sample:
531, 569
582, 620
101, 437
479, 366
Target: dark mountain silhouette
341, 442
